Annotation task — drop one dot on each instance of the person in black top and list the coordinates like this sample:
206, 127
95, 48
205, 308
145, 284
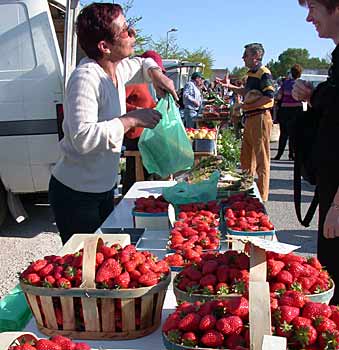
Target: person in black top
324, 100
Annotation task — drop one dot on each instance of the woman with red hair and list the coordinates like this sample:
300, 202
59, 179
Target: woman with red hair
95, 120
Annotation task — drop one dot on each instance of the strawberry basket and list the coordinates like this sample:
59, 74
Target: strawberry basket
324, 297
105, 313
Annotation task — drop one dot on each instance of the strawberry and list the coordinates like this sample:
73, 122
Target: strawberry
27, 346
47, 270
38, 265
189, 339
135, 275
33, 279
63, 283
285, 277
306, 282
292, 298
171, 322
108, 252
110, 268
286, 314
70, 273
299, 322
305, 335
99, 259
161, 267
323, 324
222, 289
296, 269
242, 262
284, 330
148, 279
190, 322
65, 343
335, 314
277, 287
230, 325
312, 310
291, 257
212, 339
45, 344
207, 322
49, 281
58, 272
238, 307
313, 261
233, 341
123, 280
77, 260
208, 280
82, 346
319, 286
222, 273
329, 340
206, 308
186, 308
274, 267
209, 267
174, 260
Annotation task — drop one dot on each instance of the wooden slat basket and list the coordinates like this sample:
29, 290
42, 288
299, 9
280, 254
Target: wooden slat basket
90, 313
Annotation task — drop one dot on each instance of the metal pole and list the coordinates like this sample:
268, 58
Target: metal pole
167, 43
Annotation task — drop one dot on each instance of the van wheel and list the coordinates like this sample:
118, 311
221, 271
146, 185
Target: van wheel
3, 204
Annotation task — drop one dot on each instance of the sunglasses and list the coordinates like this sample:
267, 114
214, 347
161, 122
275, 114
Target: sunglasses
127, 31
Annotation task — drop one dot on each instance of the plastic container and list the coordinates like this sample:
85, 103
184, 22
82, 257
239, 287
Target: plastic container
204, 145
151, 221
324, 297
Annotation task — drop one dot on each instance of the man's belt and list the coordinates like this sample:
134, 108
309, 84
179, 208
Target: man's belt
255, 112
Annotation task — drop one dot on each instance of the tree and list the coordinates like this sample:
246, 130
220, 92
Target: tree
200, 55
292, 56
240, 72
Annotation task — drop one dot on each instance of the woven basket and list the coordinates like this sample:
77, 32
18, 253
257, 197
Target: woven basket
107, 314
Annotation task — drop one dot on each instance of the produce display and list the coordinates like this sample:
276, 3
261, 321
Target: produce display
201, 134
195, 229
151, 205
305, 324
212, 325
245, 213
57, 342
116, 268
217, 274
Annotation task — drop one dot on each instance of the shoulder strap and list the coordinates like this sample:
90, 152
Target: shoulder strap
297, 197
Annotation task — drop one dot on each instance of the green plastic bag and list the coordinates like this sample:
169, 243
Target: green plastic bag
184, 193
14, 311
166, 149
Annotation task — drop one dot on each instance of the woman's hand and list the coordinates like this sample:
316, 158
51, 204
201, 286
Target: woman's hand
143, 118
331, 225
302, 90
162, 84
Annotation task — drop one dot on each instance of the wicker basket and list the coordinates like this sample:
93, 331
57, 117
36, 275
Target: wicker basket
107, 314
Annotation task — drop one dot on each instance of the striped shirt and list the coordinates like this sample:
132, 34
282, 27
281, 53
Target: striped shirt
191, 92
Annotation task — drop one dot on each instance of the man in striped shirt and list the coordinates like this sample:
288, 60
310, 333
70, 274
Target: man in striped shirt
258, 93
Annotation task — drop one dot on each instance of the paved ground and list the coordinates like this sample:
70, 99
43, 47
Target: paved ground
38, 236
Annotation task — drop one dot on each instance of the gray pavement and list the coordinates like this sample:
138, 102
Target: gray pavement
38, 236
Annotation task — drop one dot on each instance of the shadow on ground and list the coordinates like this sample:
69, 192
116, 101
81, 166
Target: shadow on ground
288, 197
38, 209
305, 238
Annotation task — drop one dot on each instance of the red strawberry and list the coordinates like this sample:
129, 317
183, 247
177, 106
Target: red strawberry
238, 307
49, 281
284, 277
284, 330
206, 308
47, 270
296, 269
329, 340
207, 322
82, 346
212, 339
242, 261
313, 261
65, 343
110, 268
99, 259
108, 252
323, 324
293, 298
77, 260
209, 267
171, 322
186, 307
27, 346
190, 322
189, 339
123, 280
63, 283
33, 279
70, 273
38, 265
135, 275
174, 260
306, 282
148, 279
288, 258
319, 286
299, 322
58, 272
313, 310
222, 289
233, 341
274, 267
335, 314
286, 314
222, 273
208, 280
306, 335
161, 267
277, 287
230, 325
45, 344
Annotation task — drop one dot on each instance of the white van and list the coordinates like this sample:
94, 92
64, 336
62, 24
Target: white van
31, 94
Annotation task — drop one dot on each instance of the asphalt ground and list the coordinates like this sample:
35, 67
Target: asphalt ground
38, 236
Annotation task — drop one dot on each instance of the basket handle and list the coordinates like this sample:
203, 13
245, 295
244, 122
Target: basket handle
91, 246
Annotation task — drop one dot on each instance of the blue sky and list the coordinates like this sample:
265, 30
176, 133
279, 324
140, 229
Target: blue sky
224, 26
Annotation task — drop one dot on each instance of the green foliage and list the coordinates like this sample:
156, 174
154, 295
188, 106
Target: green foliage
229, 147
200, 55
291, 56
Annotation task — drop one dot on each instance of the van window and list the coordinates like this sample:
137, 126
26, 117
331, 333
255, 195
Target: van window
16, 44
58, 17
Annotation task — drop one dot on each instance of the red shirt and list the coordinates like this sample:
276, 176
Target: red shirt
138, 95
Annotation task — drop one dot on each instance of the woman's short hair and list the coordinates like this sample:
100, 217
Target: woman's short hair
94, 24
329, 4
296, 71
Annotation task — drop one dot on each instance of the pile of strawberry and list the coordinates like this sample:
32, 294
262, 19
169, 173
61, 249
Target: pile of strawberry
216, 274
213, 324
306, 325
56, 342
294, 272
151, 205
194, 230
212, 206
116, 268
246, 214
